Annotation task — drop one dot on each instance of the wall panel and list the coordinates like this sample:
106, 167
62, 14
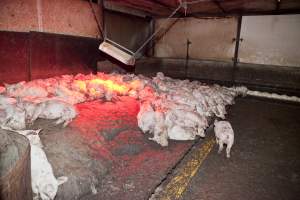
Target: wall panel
53, 55
210, 39
18, 15
271, 40
14, 57
70, 17
33, 55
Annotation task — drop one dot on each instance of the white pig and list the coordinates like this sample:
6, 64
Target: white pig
43, 182
54, 109
146, 117
2, 89
25, 89
11, 115
15, 118
160, 134
177, 132
224, 135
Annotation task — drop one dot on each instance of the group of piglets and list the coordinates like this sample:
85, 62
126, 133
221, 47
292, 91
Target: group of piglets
181, 110
16, 113
53, 98
169, 109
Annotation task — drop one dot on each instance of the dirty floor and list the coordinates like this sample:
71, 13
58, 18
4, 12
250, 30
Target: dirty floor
105, 155
265, 159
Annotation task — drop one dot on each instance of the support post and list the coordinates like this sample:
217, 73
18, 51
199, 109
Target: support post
188, 43
237, 40
29, 73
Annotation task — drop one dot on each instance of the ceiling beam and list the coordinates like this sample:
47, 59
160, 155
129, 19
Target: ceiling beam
110, 5
246, 13
218, 4
163, 4
170, 8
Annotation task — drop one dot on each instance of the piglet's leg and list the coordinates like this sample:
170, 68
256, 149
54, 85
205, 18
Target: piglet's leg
67, 122
228, 148
59, 121
220, 146
217, 140
34, 117
201, 132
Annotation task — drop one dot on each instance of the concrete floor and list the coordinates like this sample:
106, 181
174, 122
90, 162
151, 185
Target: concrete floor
265, 159
105, 155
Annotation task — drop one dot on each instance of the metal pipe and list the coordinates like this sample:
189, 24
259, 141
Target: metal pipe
152, 36
96, 19
188, 43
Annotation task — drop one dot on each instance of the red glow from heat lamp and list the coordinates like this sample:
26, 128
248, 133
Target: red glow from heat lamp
108, 84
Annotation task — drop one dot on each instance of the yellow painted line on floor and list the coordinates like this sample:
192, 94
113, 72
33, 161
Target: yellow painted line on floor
178, 184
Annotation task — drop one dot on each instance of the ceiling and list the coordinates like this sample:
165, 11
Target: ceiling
163, 8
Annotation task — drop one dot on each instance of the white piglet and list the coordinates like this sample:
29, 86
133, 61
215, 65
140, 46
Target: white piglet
224, 135
54, 109
43, 182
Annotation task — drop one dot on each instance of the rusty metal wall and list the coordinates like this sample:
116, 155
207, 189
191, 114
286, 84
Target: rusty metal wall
210, 39
52, 55
14, 57
271, 40
26, 56
56, 16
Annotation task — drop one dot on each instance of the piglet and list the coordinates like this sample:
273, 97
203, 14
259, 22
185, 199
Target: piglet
224, 135
146, 117
43, 182
11, 115
160, 134
53, 109
22, 90
2, 89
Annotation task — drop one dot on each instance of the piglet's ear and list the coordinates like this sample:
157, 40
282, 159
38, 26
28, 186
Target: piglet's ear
62, 180
6, 84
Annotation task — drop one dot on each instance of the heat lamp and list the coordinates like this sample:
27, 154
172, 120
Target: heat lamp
118, 52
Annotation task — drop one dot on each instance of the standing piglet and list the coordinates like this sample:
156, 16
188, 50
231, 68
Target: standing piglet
224, 135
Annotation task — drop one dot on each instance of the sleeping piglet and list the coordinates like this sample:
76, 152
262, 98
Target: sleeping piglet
57, 109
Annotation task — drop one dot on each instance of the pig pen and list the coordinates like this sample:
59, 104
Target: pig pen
103, 153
